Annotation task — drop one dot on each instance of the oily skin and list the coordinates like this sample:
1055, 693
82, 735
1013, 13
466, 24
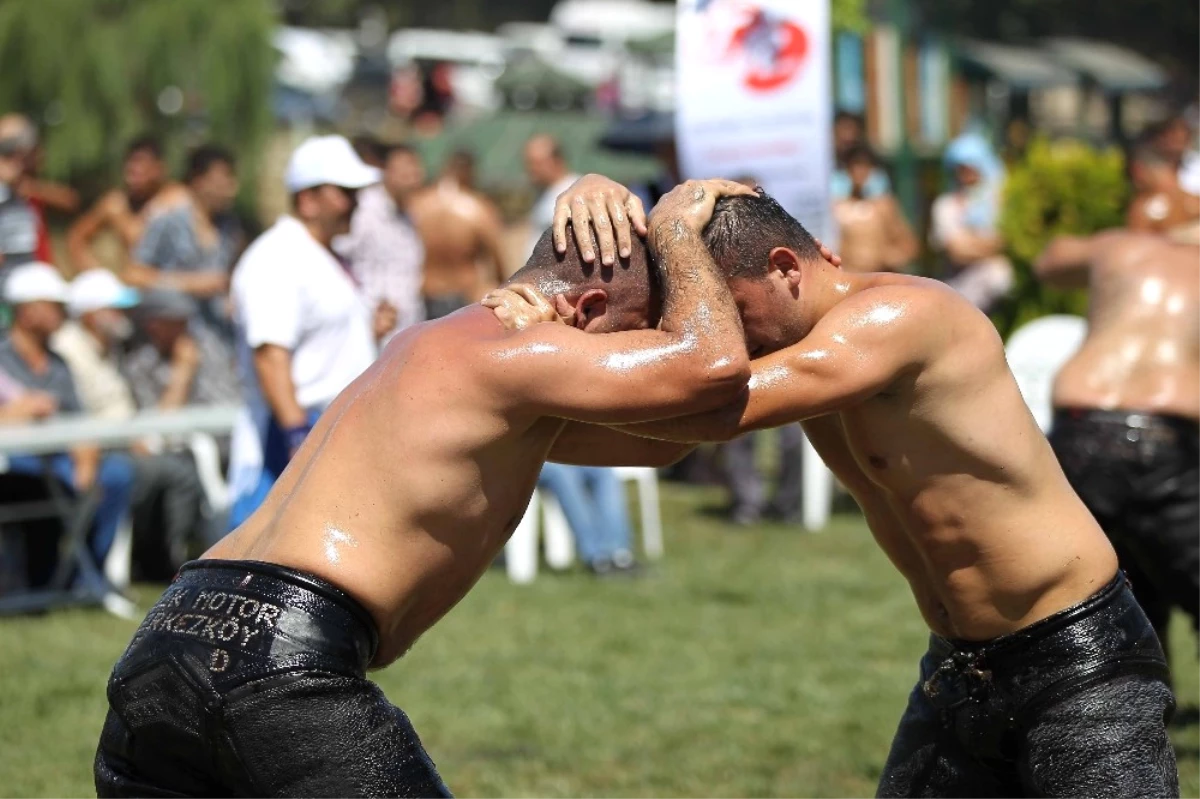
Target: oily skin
903, 388
1142, 351
417, 474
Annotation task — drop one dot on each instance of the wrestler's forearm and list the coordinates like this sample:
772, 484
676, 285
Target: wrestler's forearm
698, 309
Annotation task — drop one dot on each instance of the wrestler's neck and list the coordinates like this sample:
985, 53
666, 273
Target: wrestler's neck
822, 287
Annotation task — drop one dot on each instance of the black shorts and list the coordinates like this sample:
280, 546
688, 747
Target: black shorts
1074, 705
444, 304
248, 679
1139, 475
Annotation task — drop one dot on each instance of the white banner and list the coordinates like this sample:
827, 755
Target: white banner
754, 99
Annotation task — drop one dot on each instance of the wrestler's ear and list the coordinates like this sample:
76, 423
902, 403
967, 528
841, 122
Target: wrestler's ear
784, 261
591, 305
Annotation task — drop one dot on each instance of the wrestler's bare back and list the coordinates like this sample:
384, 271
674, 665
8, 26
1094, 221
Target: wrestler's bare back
1142, 351
409, 485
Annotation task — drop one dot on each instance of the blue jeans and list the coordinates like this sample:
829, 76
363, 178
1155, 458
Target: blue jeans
593, 501
275, 459
115, 479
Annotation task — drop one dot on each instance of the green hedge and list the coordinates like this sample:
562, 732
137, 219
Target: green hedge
1061, 187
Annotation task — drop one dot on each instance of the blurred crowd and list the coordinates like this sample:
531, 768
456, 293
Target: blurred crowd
197, 314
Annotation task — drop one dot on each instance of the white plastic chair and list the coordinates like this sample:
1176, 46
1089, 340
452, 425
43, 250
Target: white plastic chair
1036, 352
816, 489
544, 516
651, 513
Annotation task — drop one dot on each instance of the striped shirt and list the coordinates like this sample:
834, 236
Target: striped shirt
385, 255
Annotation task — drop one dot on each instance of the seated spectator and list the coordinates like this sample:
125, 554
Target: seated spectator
747, 486
191, 247
167, 500
964, 224
144, 191
593, 501
178, 361
875, 237
37, 295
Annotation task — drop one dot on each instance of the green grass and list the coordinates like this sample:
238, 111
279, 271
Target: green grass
750, 663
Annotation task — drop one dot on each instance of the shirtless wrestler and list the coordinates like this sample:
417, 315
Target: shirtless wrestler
248, 676
1127, 407
1043, 675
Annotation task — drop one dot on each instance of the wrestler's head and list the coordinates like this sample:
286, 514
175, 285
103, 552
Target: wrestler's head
766, 256
598, 298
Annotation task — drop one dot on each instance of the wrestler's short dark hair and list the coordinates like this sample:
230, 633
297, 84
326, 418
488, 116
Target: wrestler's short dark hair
567, 273
744, 230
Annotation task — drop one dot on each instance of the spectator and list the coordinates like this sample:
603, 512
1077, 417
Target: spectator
19, 225
167, 498
548, 171
462, 233
38, 295
22, 137
90, 343
305, 331
191, 247
177, 362
459, 171
593, 501
18, 405
1160, 205
850, 134
383, 248
964, 223
875, 237
145, 191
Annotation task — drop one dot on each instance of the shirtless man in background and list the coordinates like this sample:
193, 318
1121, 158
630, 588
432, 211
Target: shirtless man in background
1043, 676
462, 233
248, 676
1127, 406
145, 190
875, 237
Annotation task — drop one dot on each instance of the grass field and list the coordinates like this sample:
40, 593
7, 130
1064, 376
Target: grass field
750, 663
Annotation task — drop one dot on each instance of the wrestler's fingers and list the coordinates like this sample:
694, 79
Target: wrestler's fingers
604, 230
581, 222
562, 215
827, 253
729, 188
620, 226
637, 213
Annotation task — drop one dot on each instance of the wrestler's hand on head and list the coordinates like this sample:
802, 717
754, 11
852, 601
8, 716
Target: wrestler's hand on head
520, 305
829, 255
688, 207
603, 215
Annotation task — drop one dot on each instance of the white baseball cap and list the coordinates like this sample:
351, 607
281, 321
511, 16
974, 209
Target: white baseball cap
99, 288
33, 282
328, 160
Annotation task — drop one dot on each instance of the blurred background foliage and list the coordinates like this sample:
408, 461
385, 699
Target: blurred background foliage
94, 73
1056, 188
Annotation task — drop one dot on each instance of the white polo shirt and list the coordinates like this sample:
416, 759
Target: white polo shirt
290, 291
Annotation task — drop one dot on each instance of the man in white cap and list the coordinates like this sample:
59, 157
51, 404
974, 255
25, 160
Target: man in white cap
38, 295
305, 331
167, 495
89, 342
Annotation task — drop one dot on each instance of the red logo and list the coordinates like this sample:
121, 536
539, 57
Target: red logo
774, 50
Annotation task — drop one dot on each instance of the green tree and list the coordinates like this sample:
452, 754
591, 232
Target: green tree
95, 72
